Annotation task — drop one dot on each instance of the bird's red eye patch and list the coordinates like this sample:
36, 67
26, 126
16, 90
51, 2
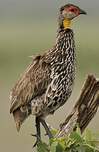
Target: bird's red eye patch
74, 10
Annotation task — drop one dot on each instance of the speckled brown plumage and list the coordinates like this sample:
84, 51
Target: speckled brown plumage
48, 81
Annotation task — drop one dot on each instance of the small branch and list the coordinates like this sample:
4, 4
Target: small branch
84, 109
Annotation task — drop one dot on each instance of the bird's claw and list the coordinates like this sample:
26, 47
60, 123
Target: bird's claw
37, 139
35, 144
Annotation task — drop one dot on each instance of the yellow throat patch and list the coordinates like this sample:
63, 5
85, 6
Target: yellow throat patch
66, 23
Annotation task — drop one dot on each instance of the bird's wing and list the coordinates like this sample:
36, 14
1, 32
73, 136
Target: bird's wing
31, 84
52, 95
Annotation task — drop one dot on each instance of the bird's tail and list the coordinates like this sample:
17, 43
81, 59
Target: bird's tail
19, 117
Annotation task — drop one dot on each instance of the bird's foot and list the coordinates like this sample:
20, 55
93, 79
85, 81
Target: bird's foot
47, 129
37, 140
38, 135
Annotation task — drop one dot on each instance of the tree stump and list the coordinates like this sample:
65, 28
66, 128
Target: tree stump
84, 109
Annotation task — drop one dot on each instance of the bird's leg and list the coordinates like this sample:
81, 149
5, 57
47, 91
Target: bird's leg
48, 132
38, 134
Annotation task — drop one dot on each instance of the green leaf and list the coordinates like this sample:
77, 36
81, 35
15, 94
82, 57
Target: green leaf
42, 147
75, 142
56, 147
53, 146
60, 148
54, 131
69, 143
75, 136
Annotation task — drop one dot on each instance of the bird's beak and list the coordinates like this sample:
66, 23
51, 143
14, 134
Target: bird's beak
83, 12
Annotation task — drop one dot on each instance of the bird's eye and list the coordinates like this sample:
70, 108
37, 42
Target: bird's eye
72, 10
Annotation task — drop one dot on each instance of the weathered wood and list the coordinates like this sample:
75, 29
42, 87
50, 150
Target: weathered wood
84, 109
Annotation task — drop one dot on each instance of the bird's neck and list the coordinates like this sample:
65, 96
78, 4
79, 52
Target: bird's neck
64, 45
62, 56
65, 42
64, 36
66, 23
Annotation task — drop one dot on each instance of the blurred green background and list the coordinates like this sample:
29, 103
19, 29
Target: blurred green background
27, 28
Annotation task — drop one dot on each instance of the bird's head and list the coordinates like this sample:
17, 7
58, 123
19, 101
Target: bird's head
67, 13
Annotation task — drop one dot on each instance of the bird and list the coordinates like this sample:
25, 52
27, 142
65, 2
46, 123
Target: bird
48, 81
